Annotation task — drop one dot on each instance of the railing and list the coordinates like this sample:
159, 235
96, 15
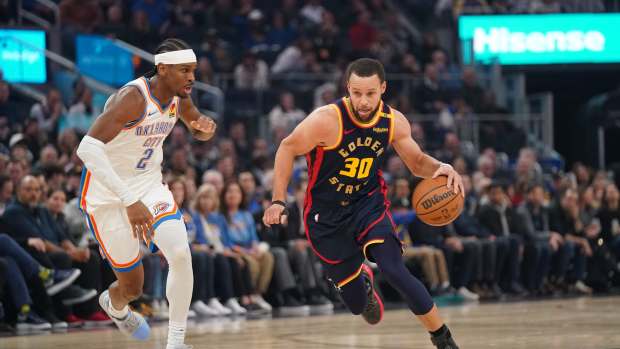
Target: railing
67, 64
52, 29
483, 130
216, 93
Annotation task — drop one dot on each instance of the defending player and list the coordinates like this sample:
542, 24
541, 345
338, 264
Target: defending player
346, 212
122, 195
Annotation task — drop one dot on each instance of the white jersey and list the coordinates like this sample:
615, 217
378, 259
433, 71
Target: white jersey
136, 153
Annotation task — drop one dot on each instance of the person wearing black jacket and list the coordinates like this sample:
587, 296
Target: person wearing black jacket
540, 241
500, 220
33, 227
574, 251
468, 226
609, 215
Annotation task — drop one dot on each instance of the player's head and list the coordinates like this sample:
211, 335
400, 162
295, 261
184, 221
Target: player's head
175, 63
365, 82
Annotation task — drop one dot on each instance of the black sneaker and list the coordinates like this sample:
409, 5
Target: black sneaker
319, 304
57, 324
76, 295
293, 307
61, 279
444, 340
30, 321
373, 312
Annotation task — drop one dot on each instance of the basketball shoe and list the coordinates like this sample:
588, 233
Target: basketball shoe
132, 325
443, 339
373, 312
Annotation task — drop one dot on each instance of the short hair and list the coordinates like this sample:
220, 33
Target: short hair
365, 67
168, 45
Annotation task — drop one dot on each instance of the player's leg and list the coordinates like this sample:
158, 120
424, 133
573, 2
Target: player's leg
387, 255
111, 228
171, 238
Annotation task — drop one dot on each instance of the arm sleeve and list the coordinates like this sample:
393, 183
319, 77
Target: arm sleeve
92, 152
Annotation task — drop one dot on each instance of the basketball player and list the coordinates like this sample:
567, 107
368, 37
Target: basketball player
122, 195
346, 212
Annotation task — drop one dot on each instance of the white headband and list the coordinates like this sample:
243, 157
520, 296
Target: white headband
176, 57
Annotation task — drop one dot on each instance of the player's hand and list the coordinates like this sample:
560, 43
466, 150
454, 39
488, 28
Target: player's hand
204, 124
275, 214
141, 221
454, 179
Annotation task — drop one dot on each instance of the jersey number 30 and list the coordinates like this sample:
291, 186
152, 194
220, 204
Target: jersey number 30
143, 162
357, 168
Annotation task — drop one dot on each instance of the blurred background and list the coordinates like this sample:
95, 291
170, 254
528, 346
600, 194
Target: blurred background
521, 97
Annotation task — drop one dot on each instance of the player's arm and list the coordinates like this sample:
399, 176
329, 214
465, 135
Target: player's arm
126, 105
419, 163
201, 127
313, 131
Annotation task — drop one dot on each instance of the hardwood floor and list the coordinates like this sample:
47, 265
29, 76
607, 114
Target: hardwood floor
580, 323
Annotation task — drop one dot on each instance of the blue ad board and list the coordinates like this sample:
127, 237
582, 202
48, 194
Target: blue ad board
22, 56
101, 59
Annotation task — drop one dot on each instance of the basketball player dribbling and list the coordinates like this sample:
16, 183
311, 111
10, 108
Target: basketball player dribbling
122, 195
346, 213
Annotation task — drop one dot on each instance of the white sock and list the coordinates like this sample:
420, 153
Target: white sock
176, 334
119, 314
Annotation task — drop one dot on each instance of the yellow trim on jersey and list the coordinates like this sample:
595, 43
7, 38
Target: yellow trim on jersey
340, 129
392, 123
371, 123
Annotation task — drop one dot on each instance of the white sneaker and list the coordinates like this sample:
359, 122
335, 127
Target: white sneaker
235, 307
132, 325
215, 304
204, 310
262, 303
583, 288
467, 294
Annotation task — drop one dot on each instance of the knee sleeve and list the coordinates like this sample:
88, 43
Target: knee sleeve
387, 256
171, 238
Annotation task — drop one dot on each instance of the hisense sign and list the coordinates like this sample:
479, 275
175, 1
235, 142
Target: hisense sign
540, 39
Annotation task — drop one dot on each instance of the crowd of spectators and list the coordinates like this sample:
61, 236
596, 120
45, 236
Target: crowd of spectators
525, 230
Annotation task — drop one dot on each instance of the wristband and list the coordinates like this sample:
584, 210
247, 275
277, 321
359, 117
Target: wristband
279, 202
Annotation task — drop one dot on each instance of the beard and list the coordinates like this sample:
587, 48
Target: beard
373, 112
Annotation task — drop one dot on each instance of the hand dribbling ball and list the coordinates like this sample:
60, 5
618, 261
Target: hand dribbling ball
434, 203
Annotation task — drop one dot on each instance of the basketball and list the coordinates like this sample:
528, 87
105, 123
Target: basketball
434, 203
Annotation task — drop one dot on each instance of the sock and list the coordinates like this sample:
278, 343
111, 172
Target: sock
118, 314
440, 332
25, 309
176, 334
45, 274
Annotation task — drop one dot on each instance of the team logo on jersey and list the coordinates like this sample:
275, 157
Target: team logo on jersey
380, 129
160, 207
172, 111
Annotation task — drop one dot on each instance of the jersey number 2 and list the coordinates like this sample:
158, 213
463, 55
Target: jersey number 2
355, 167
147, 155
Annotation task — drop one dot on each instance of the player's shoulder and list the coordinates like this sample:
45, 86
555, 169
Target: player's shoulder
129, 96
323, 113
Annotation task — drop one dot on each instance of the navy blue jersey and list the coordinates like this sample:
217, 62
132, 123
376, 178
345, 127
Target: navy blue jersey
343, 173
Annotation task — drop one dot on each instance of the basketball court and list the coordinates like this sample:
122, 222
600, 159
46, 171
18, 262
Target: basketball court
579, 323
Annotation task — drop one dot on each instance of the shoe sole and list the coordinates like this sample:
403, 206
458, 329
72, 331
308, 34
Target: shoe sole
86, 297
371, 274
55, 288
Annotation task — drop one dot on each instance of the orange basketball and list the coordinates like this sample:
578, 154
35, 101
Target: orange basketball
434, 203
